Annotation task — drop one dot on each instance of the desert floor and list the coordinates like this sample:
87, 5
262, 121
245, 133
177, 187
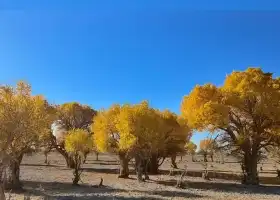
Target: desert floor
55, 181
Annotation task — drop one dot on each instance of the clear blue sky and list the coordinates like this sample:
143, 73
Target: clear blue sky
105, 52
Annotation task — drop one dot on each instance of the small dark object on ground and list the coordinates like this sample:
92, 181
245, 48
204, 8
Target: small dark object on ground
99, 185
278, 173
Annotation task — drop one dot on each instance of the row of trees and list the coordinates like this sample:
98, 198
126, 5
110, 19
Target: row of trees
244, 112
138, 131
29, 123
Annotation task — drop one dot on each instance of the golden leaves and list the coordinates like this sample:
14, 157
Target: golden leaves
24, 118
134, 126
78, 141
190, 147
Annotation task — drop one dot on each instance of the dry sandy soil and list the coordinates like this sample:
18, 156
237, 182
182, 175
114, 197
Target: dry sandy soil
54, 182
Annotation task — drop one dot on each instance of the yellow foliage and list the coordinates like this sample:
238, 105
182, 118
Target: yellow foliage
74, 115
131, 127
105, 134
190, 147
246, 105
24, 119
206, 145
78, 141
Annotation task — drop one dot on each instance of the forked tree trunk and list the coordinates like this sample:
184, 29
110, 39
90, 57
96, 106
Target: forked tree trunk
124, 170
250, 176
12, 181
77, 171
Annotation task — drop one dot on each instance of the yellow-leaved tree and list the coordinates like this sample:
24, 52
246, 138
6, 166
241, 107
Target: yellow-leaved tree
207, 147
139, 132
245, 109
77, 142
174, 133
191, 149
70, 116
24, 119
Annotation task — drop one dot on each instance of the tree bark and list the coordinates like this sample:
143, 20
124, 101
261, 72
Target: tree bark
124, 170
212, 157
46, 157
12, 181
96, 156
153, 165
139, 168
173, 161
2, 192
76, 172
205, 157
69, 161
250, 176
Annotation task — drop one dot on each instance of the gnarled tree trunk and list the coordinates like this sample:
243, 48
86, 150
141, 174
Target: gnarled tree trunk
153, 165
139, 168
2, 192
250, 170
173, 161
69, 160
124, 170
12, 181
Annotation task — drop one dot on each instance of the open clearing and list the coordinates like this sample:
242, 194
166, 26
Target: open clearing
55, 181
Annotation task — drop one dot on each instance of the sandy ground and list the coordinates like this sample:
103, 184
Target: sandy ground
55, 182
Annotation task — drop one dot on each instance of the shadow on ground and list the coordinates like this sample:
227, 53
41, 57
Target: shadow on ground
225, 175
55, 190
226, 187
41, 165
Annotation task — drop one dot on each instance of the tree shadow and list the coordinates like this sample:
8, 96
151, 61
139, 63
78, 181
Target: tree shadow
40, 165
101, 170
226, 187
106, 170
102, 163
224, 175
53, 190
100, 160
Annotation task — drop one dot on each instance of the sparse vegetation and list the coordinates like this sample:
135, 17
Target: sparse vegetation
244, 113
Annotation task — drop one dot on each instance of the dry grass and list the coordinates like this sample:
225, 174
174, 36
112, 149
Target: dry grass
55, 182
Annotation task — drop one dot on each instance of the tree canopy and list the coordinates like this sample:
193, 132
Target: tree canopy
25, 121
245, 109
129, 127
74, 115
190, 147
